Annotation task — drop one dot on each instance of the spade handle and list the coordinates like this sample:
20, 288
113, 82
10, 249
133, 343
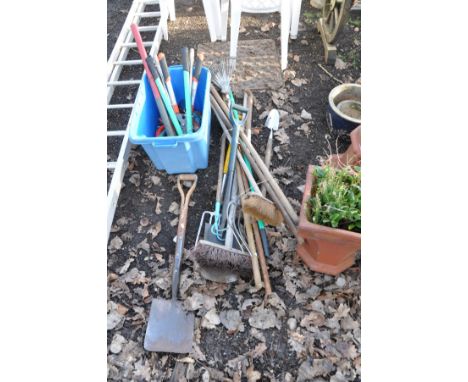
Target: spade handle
181, 228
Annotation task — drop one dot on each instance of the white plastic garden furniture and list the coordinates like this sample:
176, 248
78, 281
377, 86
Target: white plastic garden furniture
171, 8
216, 12
216, 15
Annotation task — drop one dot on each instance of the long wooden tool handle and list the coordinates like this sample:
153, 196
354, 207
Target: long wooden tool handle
261, 257
258, 244
268, 152
224, 122
181, 228
248, 223
219, 114
248, 103
247, 146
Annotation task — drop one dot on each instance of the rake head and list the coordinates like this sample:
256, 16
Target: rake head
222, 71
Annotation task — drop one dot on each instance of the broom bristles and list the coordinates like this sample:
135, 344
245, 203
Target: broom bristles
209, 255
261, 208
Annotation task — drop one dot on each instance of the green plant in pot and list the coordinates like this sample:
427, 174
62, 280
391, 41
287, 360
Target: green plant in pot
335, 200
330, 219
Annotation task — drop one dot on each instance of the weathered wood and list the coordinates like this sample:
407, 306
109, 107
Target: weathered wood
329, 50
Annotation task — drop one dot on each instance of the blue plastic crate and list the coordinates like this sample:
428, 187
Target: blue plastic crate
175, 154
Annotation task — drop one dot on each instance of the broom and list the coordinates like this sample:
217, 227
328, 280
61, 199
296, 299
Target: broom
221, 261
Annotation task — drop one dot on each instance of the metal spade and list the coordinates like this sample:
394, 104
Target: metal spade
170, 328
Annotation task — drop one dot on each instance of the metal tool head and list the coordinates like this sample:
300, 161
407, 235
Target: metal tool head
170, 328
272, 121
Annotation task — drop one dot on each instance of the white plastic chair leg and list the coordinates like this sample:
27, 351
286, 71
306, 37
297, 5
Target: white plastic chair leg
216, 17
285, 25
164, 15
235, 25
224, 18
295, 14
212, 14
172, 10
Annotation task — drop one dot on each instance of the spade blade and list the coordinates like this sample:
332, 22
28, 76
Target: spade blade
170, 328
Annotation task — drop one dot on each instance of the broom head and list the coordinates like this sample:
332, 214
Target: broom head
214, 256
261, 208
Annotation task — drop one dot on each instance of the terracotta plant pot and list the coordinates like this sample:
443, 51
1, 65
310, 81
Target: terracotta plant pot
352, 156
324, 249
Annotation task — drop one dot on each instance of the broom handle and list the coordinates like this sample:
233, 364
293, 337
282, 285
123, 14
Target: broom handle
236, 127
230, 173
250, 236
263, 264
267, 177
248, 103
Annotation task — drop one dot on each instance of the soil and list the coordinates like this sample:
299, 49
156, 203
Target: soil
145, 188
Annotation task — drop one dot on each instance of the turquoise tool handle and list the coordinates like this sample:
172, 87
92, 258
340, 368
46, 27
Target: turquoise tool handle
233, 102
170, 110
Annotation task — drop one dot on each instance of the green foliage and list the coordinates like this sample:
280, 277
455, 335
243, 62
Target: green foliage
355, 22
336, 198
353, 56
311, 17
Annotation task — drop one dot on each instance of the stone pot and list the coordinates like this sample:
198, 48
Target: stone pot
344, 108
324, 249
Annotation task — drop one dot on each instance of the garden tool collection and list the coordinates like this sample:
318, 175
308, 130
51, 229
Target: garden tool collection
175, 119
279, 200
170, 329
231, 241
218, 255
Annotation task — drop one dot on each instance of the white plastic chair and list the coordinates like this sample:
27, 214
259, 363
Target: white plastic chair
216, 15
216, 12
